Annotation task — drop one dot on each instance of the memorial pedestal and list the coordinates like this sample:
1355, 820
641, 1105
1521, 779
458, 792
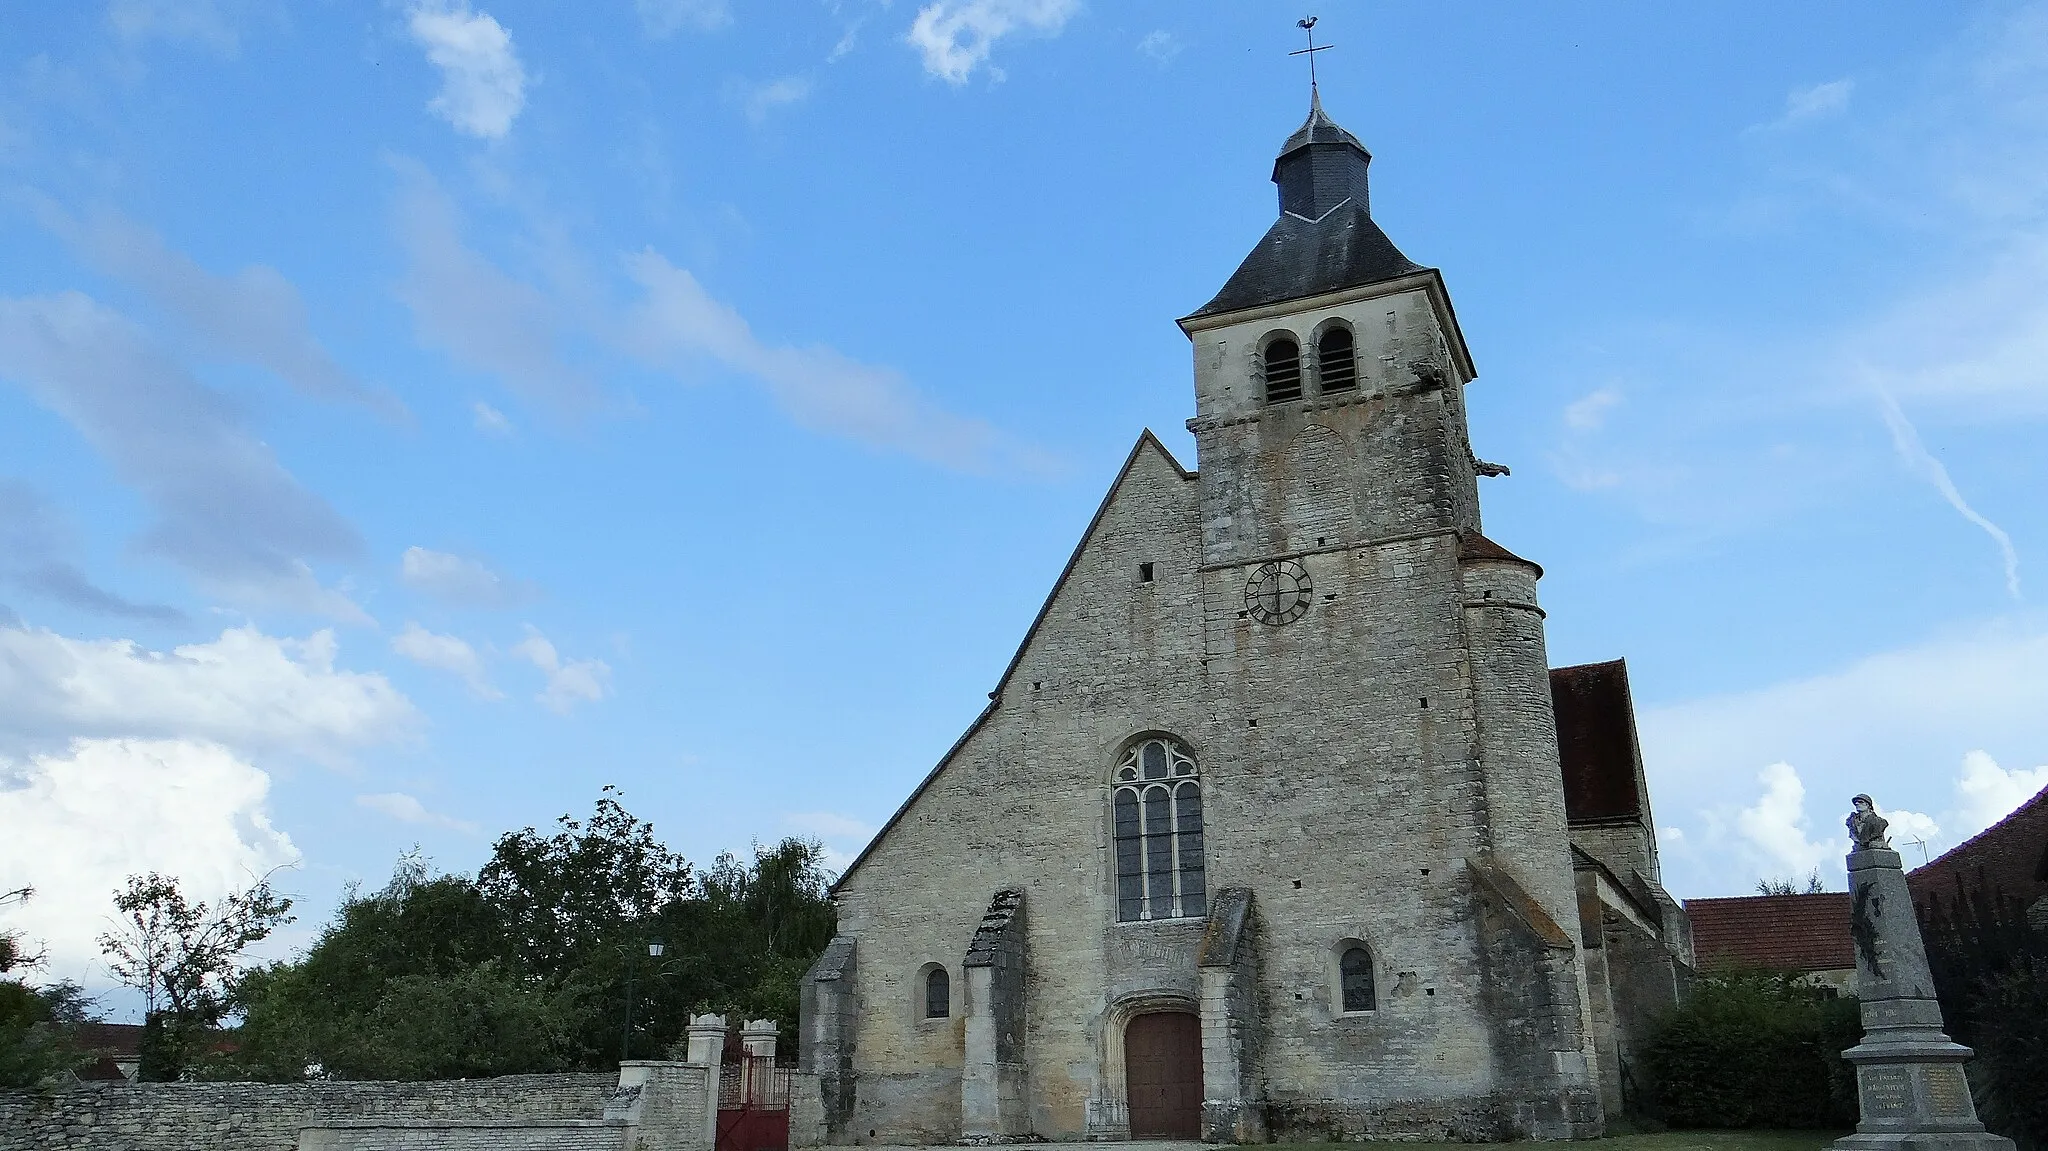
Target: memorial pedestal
1910, 1087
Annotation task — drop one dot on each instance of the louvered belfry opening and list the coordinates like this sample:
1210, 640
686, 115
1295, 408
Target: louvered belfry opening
1283, 371
1336, 365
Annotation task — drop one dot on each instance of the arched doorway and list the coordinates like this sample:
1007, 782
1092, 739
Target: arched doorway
1163, 1075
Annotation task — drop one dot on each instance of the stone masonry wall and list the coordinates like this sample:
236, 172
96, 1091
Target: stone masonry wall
267, 1116
1342, 774
564, 1135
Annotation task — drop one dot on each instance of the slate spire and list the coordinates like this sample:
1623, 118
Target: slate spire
1321, 165
1325, 239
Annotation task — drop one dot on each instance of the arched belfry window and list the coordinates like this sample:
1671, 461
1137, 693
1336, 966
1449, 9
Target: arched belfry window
938, 994
1283, 370
1354, 973
1336, 359
1157, 808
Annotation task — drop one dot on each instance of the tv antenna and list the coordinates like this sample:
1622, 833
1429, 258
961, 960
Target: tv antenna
1920, 843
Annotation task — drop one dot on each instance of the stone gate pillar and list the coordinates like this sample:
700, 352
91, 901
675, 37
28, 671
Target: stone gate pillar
757, 1036
706, 1034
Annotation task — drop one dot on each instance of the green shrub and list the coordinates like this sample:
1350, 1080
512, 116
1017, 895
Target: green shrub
1756, 1049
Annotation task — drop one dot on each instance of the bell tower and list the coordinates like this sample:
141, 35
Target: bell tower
1329, 375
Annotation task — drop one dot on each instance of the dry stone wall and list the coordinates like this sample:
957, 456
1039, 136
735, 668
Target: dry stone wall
267, 1116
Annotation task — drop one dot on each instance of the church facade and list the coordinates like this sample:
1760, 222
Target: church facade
1278, 825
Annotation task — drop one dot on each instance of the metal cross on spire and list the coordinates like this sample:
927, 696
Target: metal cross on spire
1308, 25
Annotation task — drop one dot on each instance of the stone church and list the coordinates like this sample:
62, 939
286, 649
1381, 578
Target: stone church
1278, 825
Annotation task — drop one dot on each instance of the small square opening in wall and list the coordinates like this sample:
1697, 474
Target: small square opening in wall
1144, 573
1297, 885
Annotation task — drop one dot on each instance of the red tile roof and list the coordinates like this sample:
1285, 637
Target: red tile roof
1776, 932
1596, 741
2010, 856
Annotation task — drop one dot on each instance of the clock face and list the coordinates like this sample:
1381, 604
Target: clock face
1278, 593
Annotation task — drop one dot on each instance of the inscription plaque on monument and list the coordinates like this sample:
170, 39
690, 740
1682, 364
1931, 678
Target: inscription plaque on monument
1948, 1093
1887, 1091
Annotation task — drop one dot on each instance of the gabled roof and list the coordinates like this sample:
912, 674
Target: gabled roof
2010, 857
1596, 742
1145, 438
1298, 258
1802, 933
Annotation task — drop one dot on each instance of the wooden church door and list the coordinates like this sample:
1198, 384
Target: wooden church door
1163, 1075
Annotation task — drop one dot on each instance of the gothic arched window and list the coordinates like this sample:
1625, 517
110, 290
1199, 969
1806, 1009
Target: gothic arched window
938, 994
1336, 362
1157, 808
1354, 973
1283, 370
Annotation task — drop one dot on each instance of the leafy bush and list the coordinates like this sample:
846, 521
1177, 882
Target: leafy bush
1756, 1049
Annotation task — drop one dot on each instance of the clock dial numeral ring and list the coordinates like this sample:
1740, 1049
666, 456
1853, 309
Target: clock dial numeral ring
1278, 593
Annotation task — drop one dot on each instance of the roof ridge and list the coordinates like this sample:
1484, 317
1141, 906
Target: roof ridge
2039, 797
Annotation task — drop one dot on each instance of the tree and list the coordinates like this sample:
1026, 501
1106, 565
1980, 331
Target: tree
526, 967
32, 1019
1787, 887
573, 892
182, 956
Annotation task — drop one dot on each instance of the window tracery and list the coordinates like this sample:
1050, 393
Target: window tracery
1156, 809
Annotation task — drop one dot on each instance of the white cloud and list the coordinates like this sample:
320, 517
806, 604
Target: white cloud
760, 100
1776, 826
255, 315
407, 809
817, 387
568, 682
1815, 102
245, 690
843, 836
1906, 440
225, 509
35, 556
483, 85
1588, 413
1884, 724
81, 821
956, 36
191, 21
1987, 793
458, 579
470, 308
489, 420
1159, 46
663, 18
828, 825
447, 653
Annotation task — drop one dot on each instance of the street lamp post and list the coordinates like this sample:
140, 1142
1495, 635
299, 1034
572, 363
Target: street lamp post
654, 950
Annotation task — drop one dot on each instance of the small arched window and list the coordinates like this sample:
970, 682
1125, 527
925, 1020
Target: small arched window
1157, 810
938, 994
1283, 370
1336, 363
1354, 972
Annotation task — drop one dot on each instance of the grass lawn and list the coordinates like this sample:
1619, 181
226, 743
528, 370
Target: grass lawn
1660, 1141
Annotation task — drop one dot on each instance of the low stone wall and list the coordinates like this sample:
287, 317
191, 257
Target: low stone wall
561, 1135
267, 1116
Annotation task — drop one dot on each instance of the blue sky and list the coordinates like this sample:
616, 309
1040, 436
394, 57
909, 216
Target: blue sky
417, 415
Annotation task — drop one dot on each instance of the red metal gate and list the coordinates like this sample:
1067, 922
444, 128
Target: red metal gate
753, 1105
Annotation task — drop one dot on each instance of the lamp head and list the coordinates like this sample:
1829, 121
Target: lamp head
654, 948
